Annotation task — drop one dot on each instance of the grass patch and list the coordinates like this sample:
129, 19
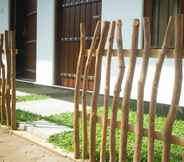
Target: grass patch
31, 98
61, 119
65, 140
26, 116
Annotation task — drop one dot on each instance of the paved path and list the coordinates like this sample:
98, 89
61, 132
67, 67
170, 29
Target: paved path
43, 129
15, 149
19, 93
46, 107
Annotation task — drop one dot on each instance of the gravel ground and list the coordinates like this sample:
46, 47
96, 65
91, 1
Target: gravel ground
15, 149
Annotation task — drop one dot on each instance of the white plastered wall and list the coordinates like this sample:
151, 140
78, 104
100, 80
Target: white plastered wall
4, 15
45, 42
127, 10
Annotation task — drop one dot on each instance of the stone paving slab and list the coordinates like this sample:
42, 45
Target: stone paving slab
43, 129
46, 107
20, 93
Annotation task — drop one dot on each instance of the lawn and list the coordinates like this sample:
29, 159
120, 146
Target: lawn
32, 97
65, 141
62, 119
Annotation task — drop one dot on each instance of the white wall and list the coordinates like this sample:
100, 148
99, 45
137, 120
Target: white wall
127, 10
45, 42
4, 15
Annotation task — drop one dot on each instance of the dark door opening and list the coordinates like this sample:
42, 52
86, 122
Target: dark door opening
23, 21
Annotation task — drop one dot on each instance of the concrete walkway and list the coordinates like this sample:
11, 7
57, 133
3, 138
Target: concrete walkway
19, 93
43, 129
46, 107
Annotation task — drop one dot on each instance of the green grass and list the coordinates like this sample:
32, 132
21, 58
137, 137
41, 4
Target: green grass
33, 97
62, 119
65, 141
26, 116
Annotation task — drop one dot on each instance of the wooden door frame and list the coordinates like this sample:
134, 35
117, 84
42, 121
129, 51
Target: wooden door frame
12, 15
182, 6
148, 8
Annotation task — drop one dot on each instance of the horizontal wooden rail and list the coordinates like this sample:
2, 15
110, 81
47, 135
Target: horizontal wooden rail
154, 53
70, 75
158, 135
11, 50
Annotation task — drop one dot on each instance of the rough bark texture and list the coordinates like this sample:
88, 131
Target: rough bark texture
99, 51
127, 93
176, 91
13, 80
84, 87
2, 110
8, 77
117, 90
107, 88
154, 91
77, 92
140, 96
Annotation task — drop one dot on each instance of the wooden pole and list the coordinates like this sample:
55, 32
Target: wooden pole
2, 108
3, 82
140, 96
84, 87
127, 93
107, 89
13, 80
176, 91
154, 91
100, 49
8, 80
117, 89
77, 92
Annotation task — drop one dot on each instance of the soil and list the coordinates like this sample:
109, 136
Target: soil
15, 149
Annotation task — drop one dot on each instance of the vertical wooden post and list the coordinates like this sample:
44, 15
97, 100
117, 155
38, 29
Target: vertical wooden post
1, 86
127, 93
154, 91
107, 89
8, 80
100, 49
117, 89
85, 81
13, 80
177, 89
140, 95
77, 92
3, 82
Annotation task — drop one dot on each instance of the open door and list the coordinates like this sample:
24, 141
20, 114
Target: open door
24, 20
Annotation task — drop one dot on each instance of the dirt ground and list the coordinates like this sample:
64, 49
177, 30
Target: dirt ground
15, 149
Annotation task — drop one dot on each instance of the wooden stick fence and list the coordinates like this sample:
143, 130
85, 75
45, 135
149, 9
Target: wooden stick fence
117, 90
108, 34
8, 79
